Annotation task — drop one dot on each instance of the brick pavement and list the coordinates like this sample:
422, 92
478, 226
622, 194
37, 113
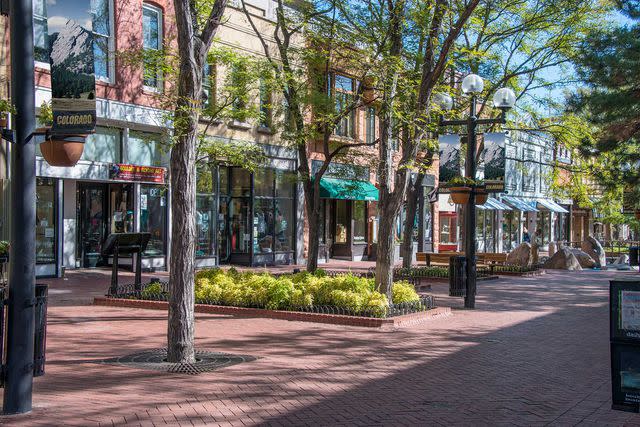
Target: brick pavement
535, 352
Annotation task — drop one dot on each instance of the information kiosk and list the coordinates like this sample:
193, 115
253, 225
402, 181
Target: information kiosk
118, 244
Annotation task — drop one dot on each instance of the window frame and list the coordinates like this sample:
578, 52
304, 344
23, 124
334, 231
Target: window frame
333, 91
159, 77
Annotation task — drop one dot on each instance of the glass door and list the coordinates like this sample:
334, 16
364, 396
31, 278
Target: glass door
92, 223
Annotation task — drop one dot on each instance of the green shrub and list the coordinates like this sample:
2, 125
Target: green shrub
152, 290
300, 299
4, 248
350, 300
320, 273
279, 294
404, 292
376, 304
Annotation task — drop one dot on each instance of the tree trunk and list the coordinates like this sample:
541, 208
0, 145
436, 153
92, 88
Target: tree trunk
312, 202
384, 254
181, 325
409, 224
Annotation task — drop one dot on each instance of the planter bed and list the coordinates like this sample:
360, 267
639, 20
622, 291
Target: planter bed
334, 319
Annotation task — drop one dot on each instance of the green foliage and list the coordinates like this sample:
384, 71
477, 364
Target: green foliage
296, 291
404, 292
152, 290
462, 181
4, 247
6, 107
46, 114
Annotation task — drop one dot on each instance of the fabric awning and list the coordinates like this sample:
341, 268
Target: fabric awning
519, 204
552, 206
348, 189
493, 205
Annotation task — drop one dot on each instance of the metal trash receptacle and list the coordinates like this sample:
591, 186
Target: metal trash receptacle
634, 253
40, 336
457, 276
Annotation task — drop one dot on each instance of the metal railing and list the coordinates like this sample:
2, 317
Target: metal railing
611, 247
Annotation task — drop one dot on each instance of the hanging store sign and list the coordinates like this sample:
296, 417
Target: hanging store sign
71, 55
123, 172
492, 162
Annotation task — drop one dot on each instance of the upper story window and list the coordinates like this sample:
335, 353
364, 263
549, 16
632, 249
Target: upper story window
371, 125
265, 105
152, 44
343, 88
103, 44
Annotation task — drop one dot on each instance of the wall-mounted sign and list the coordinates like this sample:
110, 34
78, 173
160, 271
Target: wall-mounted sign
122, 172
71, 55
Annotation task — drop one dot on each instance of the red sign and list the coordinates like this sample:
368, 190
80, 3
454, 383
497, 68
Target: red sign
136, 173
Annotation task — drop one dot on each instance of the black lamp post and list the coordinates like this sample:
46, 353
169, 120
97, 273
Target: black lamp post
503, 99
21, 319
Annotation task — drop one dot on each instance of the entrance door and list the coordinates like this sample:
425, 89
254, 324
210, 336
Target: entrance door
224, 248
92, 223
341, 229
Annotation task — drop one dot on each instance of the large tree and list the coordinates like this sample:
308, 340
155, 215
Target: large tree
609, 64
195, 33
526, 45
310, 40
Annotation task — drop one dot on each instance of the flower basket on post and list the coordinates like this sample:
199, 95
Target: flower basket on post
59, 150
481, 195
460, 195
5, 108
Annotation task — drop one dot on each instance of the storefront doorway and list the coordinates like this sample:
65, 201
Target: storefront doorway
102, 209
349, 229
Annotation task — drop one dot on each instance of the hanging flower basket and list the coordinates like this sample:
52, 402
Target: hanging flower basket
460, 195
3, 120
481, 196
63, 150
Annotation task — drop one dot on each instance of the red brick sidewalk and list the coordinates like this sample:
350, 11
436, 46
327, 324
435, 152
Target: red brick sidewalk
535, 352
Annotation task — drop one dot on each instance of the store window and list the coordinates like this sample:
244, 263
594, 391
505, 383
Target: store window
371, 125
146, 149
273, 209
103, 146
153, 218
510, 230
102, 35
45, 221
209, 85
152, 44
359, 221
205, 211
448, 228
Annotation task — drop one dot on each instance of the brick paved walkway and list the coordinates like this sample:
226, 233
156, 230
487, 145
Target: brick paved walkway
535, 352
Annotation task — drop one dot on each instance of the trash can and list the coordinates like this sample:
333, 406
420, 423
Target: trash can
457, 276
40, 338
634, 251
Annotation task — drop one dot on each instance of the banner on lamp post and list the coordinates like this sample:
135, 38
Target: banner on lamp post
71, 55
492, 161
451, 160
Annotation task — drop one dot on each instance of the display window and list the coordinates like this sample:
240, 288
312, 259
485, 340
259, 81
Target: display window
45, 221
153, 218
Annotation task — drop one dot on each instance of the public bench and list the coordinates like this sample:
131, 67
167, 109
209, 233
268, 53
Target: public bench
436, 259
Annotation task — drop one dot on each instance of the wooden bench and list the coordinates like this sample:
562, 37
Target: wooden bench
436, 259
492, 258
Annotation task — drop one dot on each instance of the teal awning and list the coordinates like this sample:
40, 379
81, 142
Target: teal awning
348, 189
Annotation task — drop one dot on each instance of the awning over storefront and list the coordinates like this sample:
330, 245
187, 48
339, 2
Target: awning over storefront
348, 189
493, 205
552, 206
520, 204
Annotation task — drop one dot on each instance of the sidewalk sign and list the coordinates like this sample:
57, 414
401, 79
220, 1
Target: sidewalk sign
624, 316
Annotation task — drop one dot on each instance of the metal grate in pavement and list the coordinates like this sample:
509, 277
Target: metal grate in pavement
156, 360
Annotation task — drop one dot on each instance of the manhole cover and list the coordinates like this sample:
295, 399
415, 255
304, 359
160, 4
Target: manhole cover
156, 360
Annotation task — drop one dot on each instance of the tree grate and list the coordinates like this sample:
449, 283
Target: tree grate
156, 360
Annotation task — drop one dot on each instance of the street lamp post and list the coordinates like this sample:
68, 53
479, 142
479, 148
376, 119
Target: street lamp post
21, 318
504, 99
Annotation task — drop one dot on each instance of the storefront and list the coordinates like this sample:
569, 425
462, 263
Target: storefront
489, 236
347, 213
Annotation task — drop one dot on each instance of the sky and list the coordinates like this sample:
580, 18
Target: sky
59, 11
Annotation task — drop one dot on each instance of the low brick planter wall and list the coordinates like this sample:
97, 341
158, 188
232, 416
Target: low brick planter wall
333, 319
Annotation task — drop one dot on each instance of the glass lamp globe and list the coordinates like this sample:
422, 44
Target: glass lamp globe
504, 98
472, 84
444, 101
